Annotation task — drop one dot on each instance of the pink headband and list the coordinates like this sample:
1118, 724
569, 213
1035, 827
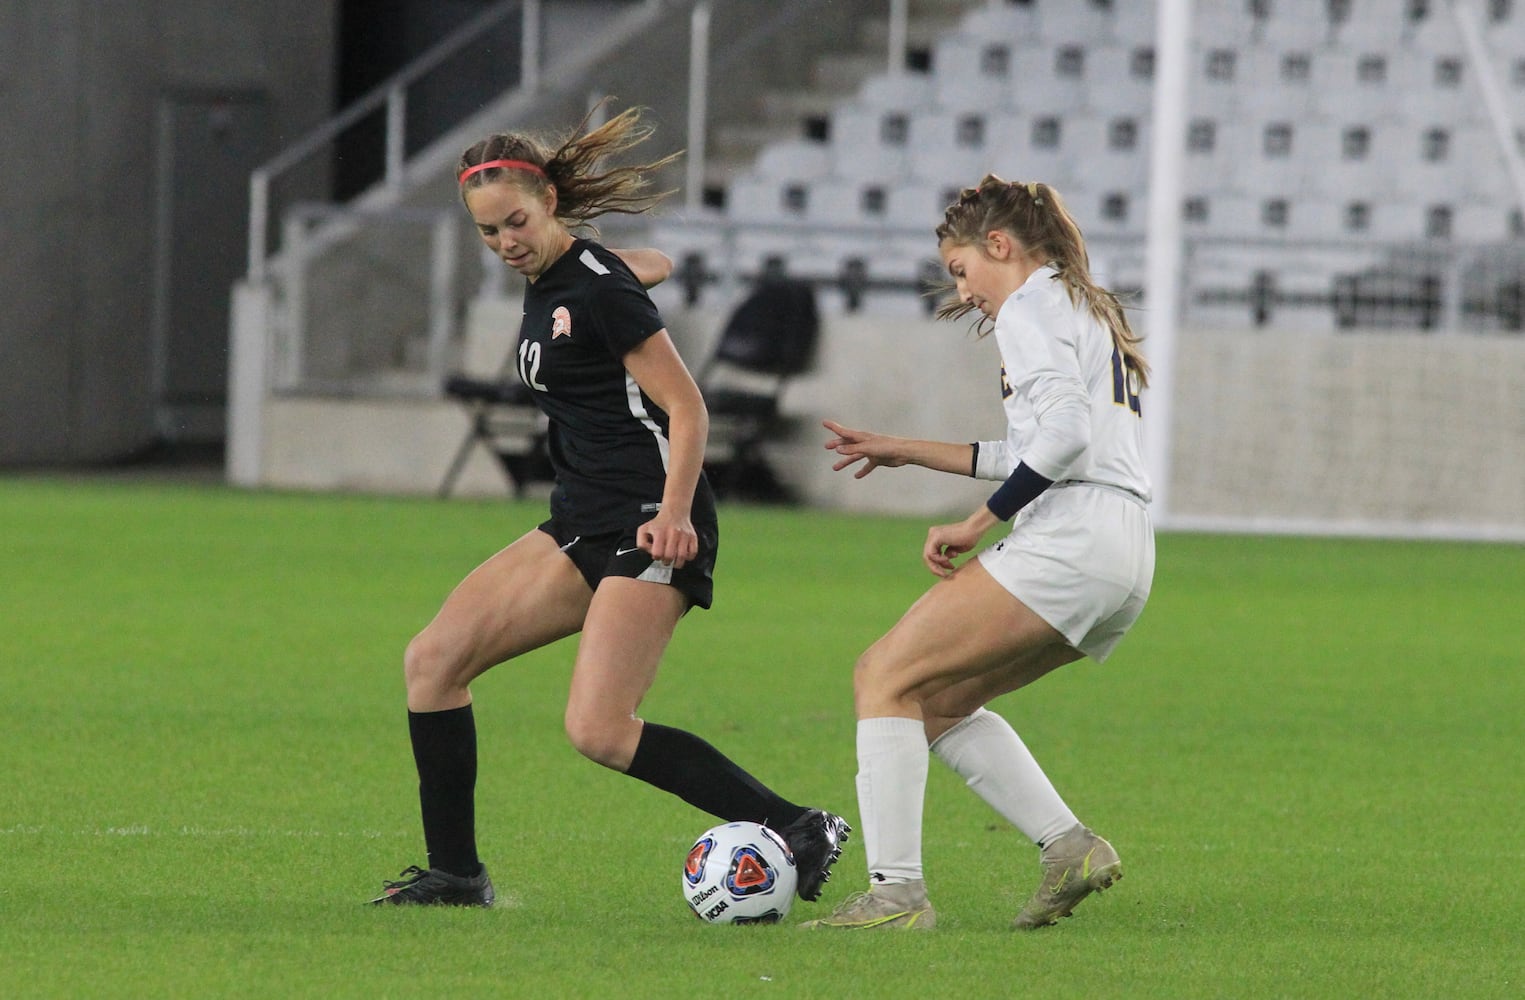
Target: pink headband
514, 164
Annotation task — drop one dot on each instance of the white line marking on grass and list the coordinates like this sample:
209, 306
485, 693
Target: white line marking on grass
236, 832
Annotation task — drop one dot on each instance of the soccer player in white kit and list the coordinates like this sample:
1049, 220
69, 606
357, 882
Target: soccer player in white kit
1067, 581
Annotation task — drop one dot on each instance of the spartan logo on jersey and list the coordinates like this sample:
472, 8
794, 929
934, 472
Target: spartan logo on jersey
561, 323
1005, 384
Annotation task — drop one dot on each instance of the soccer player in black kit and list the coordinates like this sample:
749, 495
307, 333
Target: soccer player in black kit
630, 544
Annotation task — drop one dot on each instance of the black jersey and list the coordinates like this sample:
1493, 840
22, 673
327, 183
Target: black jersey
608, 439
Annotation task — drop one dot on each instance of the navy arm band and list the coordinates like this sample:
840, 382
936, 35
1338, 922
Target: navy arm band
974, 460
1019, 490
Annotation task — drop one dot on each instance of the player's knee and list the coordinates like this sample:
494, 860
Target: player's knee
597, 741
426, 663
880, 677
872, 673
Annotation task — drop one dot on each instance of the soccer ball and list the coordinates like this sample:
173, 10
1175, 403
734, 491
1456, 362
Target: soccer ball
740, 873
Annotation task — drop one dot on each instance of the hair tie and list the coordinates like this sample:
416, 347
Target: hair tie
1032, 192
510, 164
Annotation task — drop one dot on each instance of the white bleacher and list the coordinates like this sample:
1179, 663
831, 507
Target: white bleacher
1481, 222
1018, 157
1290, 24
919, 204
1081, 22
971, 72
859, 146
1396, 220
755, 198
1096, 163
1036, 91
1390, 26
898, 91
942, 145
1341, 89
793, 158
1113, 86
837, 201
1212, 88
1317, 220
1018, 22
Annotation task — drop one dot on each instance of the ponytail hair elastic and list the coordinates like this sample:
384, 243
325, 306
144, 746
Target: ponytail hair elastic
507, 164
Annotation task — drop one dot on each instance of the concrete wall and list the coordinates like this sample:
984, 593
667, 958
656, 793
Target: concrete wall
81, 84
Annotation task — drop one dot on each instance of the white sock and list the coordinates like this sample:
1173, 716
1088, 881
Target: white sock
992, 759
892, 783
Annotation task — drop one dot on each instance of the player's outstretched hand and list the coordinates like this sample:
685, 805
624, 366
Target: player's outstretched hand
873, 450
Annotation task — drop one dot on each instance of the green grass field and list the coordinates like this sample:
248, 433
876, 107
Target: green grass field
1308, 753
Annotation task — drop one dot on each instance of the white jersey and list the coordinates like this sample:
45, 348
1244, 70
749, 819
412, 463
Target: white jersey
1072, 407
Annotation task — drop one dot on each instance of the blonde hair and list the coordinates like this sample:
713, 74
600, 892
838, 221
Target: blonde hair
585, 188
1034, 214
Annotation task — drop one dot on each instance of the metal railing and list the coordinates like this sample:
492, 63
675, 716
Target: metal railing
430, 268
392, 97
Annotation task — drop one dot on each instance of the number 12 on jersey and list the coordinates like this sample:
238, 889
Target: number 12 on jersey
529, 364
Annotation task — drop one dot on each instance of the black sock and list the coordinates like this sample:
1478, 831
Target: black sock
445, 750
688, 767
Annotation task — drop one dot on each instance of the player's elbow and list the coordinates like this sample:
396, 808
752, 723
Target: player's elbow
1064, 436
660, 267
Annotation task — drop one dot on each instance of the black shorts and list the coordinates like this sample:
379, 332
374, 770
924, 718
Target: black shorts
615, 553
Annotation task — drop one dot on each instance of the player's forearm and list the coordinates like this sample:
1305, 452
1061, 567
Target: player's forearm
941, 456
688, 428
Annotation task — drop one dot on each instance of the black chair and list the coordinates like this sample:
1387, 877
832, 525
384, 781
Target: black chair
769, 338
506, 422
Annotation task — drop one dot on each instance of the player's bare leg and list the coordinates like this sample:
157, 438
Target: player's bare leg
525, 596
966, 638
627, 631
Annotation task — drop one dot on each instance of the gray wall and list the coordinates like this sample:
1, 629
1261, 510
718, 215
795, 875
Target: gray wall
86, 90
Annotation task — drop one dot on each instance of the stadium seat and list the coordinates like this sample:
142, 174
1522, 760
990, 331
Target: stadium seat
1355, 85
953, 148
1050, 81
869, 141
971, 72
505, 421
1397, 220
1116, 85
1109, 153
793, 159
897, 92
1016, 22
1075, 22
1482, 222
769, 338
918, 204
757, 198
1319, 219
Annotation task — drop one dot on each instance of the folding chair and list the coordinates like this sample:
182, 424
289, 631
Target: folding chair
507, 423
769, 337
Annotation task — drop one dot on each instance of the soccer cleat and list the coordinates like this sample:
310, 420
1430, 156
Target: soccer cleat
897, 906
816, 840
1075, 864
432, 887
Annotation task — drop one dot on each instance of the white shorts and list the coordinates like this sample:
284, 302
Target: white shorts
1082, 557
